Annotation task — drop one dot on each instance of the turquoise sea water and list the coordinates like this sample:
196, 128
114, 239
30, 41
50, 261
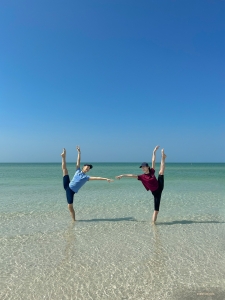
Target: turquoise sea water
112, 251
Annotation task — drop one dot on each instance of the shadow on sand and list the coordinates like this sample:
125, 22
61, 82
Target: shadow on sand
131, 219
158, 223
110, 220
187, 222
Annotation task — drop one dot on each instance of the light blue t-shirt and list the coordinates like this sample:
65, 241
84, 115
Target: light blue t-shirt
79, 179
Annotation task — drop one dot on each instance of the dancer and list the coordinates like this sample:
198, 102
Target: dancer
79, 179
150, 182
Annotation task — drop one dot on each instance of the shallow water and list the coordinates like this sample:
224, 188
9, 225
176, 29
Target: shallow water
112, 251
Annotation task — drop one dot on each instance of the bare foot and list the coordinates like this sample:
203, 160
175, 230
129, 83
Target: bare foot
63, 153
163, 154
156, 148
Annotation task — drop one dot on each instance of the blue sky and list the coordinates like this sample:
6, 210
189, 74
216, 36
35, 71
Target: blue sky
115, 77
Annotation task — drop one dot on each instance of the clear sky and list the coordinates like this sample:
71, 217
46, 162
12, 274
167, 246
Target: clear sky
116, 77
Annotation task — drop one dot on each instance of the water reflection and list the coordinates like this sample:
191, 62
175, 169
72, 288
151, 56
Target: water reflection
70, 243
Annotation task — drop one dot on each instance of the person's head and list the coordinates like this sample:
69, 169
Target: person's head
145, 167
86, 168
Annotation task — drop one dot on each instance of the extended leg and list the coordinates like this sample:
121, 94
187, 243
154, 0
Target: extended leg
161, 185
64, 169
162, 166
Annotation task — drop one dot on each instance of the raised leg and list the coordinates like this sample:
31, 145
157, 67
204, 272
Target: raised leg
64, 169
162, 166
72, 211
161, 182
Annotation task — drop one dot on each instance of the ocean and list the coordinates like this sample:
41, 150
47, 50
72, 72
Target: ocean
112, 251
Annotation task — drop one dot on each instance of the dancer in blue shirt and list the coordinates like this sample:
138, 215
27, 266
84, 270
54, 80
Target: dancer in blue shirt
79, 179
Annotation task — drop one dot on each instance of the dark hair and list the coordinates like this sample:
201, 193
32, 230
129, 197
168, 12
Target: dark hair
88, 166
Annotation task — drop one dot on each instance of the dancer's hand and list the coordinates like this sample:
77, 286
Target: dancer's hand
78, 148
110, 180
156, 148
118, 177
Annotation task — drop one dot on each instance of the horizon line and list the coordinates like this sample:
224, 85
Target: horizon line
112, 162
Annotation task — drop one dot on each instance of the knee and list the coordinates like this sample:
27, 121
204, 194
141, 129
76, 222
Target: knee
70, 206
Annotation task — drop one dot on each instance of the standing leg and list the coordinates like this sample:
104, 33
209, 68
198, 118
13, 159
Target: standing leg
66, 182
64, 169
161, 172
157, 198
154, 216
69, 196
72, 211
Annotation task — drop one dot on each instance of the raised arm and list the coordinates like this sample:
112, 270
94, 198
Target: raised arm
78, 157
100, 178
153, 156
127, 175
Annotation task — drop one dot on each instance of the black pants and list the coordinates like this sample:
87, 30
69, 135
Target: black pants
157, 194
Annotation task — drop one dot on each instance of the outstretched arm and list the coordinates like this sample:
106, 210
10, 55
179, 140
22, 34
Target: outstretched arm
78, 157
127, 175
153, 156
100, 178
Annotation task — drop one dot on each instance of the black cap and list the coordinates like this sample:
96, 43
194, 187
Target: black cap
89, 166
144, 164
